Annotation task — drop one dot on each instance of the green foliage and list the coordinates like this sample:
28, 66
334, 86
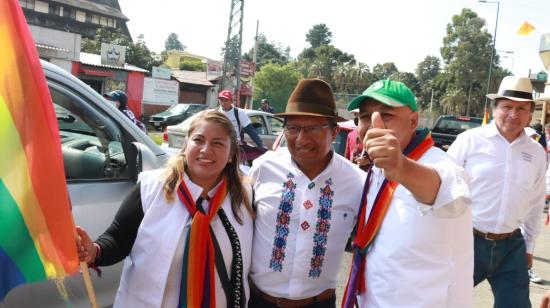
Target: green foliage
275, 82
466, 51
319, 35
136, 53
322, 62
426, 72
351, 78
384, 71
192, 65
268, 52
173, 42
408, 79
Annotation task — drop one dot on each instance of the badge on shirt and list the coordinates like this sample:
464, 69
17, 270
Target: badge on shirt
527, 157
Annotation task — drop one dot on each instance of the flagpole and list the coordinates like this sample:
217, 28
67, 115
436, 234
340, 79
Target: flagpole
89, 284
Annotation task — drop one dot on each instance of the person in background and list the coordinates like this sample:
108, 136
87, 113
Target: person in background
354, 145
120, 100
196, 207
239, 119
265, 106
507, 173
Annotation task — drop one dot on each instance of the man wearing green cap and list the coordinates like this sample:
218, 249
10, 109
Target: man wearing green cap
414, 244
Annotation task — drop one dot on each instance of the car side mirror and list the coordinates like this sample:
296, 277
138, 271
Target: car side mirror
144, 159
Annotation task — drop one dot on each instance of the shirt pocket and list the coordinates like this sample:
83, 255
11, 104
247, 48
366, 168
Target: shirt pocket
525, 175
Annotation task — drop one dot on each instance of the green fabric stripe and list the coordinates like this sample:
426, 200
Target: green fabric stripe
16, 240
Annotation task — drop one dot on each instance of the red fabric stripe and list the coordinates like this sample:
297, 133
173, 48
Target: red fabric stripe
23, 86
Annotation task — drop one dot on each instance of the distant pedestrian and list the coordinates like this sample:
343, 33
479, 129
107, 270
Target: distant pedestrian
265, 106
120, 100
507, 172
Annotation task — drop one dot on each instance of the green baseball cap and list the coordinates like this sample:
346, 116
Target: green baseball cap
388, 92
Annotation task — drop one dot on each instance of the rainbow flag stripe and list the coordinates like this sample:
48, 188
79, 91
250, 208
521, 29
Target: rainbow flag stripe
37, 237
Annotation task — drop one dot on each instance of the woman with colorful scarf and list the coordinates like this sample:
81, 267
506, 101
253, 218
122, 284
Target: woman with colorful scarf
185, 231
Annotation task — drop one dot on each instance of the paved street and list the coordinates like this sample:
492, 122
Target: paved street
483, 297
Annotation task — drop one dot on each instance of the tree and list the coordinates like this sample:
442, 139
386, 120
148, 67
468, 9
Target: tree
467, 52
267, 52
136, 53
192, 65
173, 43
319, 35
321, 62
384, 71
275, 82
426, 73
408, 79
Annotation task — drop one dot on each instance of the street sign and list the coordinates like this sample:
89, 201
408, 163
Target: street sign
161, 72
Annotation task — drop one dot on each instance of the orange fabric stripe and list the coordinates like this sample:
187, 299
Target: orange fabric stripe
24, 88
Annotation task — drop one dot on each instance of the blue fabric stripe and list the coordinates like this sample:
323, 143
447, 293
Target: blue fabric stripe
10, 276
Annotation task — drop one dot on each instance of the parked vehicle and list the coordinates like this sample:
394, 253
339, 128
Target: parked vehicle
447, 127
339, 144
103, 153
266, 124
174, 115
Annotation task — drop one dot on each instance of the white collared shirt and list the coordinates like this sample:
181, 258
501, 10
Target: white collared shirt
423, 254
508, 180
301, 225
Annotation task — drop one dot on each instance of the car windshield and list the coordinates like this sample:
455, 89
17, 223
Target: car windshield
178, 108
456, 125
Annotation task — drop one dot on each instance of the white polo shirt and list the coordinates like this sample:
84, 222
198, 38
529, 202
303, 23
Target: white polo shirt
301, 225
508, 180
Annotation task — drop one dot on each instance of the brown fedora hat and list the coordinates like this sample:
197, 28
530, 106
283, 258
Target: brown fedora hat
311, 97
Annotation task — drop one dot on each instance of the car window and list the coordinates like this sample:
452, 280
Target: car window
276, 125
455, 125
259, 125
88, 152
178, 108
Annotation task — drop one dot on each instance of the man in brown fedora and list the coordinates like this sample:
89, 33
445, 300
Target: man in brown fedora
307, 200
507, 170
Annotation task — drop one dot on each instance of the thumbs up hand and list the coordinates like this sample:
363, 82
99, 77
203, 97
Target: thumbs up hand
384, 149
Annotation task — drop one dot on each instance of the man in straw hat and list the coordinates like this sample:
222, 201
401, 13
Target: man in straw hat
506, 169
413, 246
307, 201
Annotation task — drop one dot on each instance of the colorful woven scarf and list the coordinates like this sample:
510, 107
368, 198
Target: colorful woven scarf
366, 232
197, 287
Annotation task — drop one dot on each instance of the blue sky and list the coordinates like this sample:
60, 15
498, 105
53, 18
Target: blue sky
400, 31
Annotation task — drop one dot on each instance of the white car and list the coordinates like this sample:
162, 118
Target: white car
266, 124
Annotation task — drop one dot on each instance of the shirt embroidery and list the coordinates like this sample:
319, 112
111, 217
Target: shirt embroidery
322, 228
281, 228
308, 204
305, 225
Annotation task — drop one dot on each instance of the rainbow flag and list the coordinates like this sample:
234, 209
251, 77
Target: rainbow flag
37, 233
485, 117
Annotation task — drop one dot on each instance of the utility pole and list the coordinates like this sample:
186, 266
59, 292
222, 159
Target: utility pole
254, 61
232, 54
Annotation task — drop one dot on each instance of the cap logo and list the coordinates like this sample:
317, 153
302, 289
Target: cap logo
377, 85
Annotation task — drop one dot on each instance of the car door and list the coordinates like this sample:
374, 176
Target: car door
101, 166
262, 124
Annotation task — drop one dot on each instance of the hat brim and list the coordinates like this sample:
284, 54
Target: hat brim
496, 96
297, 113
355, 103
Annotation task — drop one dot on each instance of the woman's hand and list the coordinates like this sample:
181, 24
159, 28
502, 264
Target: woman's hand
87, 251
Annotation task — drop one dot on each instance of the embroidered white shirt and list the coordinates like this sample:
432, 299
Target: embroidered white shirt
508, 180
301, 225
423, 255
